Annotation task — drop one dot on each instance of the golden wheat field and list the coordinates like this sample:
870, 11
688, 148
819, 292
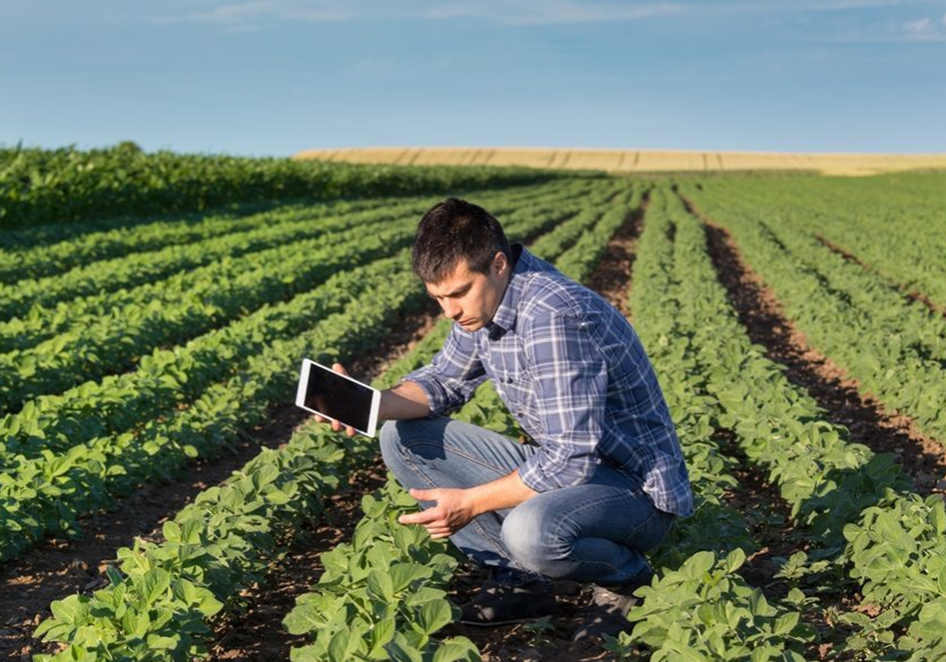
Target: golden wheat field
614, 160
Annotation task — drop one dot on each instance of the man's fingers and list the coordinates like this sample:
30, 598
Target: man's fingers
424, 495
425, 517
340, 369
350, 431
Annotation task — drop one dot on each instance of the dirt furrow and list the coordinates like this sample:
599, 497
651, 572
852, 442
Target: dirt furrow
830, 385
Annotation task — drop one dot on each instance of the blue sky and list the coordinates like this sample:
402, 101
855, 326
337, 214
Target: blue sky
272, 77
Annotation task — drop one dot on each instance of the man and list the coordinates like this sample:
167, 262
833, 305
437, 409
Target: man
605, 477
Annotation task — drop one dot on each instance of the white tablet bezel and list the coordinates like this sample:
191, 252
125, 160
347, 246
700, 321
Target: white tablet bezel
375, 397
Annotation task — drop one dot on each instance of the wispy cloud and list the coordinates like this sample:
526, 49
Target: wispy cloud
883, 24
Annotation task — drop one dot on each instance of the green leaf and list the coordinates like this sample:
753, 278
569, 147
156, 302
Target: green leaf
381, 585
434, 615
457, 649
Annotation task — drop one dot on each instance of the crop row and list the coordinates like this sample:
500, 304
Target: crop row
168, 313
46, 493
220, 544
128, 271
892, 222
142, 265
43, 322
44, 260
119, 402
896, 349
698, 606
841, 492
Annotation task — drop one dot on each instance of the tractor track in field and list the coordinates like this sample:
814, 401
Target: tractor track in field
760, 312
908, 293
60, 567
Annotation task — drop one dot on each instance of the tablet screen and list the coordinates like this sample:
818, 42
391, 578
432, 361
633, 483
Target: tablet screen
338, 397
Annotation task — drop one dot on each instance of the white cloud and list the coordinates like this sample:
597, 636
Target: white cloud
251, 14
919, 27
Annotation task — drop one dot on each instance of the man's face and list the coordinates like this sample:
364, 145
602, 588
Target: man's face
471, 298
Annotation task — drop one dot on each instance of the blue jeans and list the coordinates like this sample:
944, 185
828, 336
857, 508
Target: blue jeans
593, 532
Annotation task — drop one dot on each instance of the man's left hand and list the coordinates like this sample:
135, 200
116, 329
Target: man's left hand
451, 512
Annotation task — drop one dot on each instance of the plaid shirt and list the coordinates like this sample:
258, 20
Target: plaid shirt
574, 373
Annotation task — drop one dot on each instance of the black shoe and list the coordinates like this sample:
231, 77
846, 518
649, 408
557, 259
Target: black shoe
499, 604
607, 613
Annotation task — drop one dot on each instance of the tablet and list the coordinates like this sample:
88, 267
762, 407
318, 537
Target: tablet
338, 398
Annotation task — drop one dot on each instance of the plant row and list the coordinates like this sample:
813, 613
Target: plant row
894, 348
698, 606
26, 261
118, 402
44, 322
891, 222
121, 258
840, 491
100, 343
128, 271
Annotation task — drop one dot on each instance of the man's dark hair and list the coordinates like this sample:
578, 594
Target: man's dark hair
455, 230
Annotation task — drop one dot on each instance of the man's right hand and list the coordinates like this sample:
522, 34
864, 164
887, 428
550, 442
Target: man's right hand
350, 431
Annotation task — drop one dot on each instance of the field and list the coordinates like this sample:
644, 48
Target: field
633, 161
161, 499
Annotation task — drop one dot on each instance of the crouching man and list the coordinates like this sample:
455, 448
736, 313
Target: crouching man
605, 476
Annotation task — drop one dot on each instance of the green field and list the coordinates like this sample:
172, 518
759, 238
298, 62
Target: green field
152, 319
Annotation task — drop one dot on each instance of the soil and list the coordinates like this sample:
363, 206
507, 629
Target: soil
611, 277
840, 395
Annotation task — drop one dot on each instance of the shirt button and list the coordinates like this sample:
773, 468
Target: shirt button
509, 380
519, 414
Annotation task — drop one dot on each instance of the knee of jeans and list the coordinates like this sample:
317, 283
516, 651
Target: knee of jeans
530, 542
390, 441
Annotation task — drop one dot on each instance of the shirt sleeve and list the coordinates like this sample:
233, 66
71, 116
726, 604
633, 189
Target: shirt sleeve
452, 375
571, 378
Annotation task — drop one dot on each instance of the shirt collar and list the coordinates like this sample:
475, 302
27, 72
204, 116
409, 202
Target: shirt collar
505, 317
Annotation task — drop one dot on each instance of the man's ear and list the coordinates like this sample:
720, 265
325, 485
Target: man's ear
500, 264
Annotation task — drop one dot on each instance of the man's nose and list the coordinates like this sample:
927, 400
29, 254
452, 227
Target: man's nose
450, 308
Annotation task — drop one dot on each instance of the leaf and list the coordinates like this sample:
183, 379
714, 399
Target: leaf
153, 584
434, 615
457, 649
381, 585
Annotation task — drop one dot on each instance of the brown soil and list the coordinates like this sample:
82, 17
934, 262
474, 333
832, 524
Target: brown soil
908, 293
610, 278
829, 384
